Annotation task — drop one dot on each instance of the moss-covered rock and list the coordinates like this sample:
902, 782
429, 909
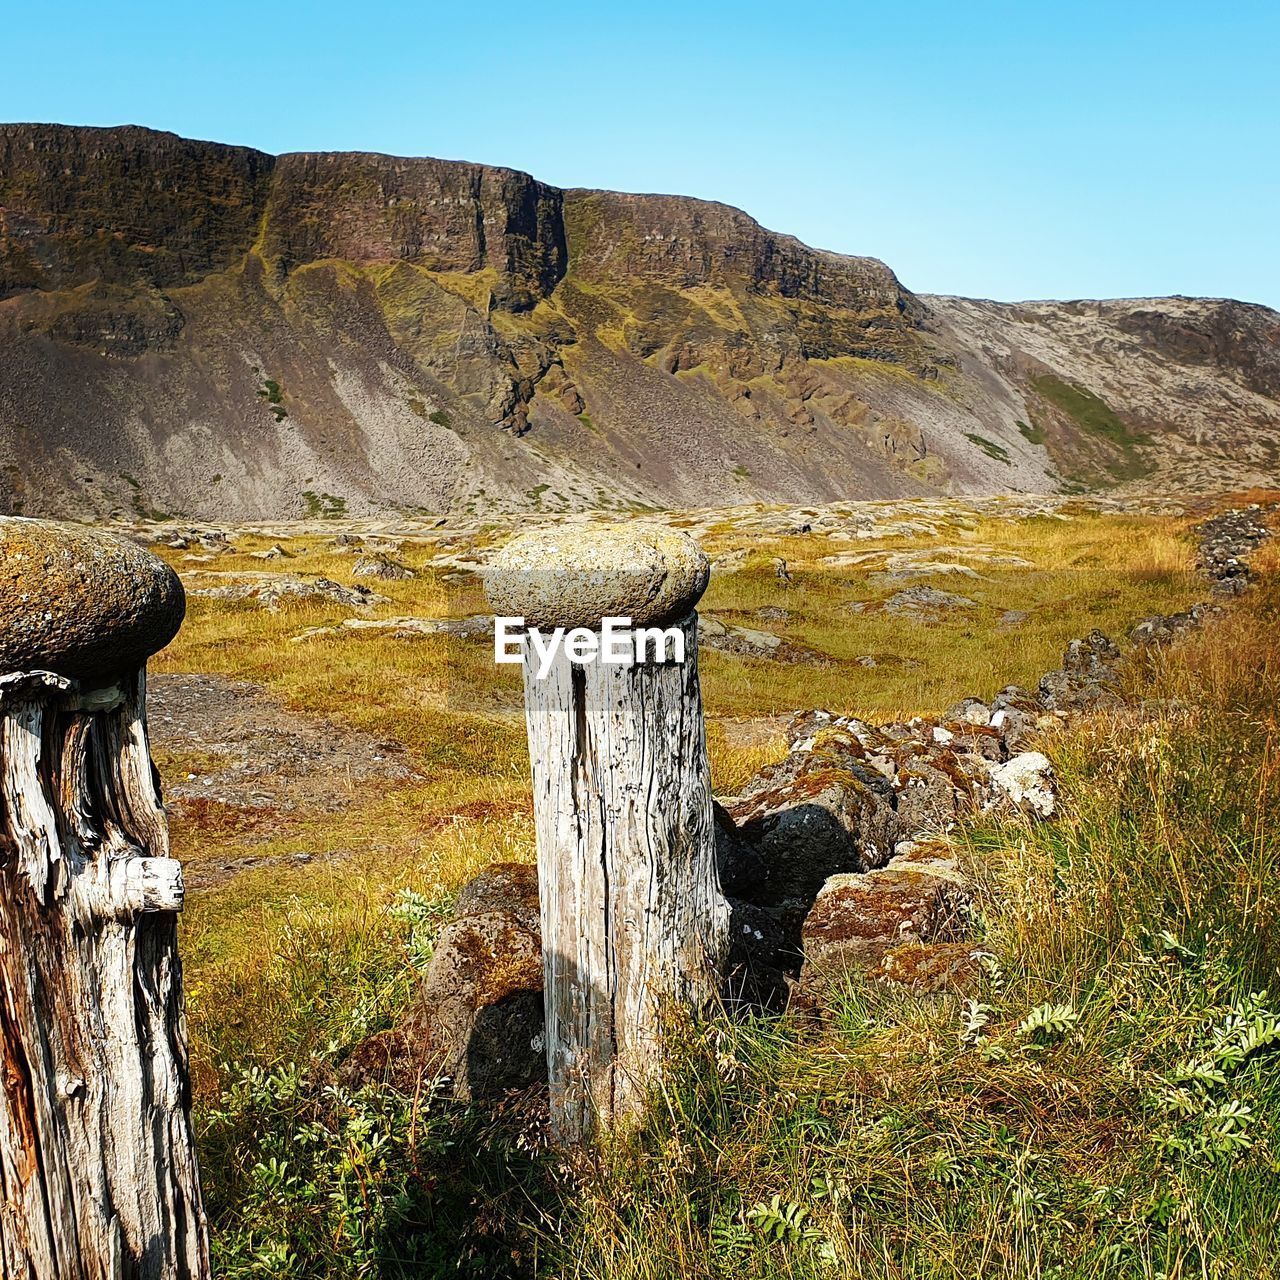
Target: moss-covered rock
857, 919
478, 1018
81, 602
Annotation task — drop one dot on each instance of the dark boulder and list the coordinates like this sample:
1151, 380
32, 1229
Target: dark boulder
478, 1018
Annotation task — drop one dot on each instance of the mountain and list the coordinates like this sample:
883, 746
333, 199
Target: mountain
203, 330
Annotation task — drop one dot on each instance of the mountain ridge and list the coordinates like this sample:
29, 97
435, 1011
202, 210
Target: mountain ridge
189, 328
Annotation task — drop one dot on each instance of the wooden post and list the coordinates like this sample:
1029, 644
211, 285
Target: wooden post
98, 1175
634, 927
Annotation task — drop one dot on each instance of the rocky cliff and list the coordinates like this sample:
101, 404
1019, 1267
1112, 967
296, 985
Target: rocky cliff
194, 329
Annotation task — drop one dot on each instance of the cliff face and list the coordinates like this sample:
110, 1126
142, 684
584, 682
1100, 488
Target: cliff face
685, 243
187, 328
439, 215
123, 206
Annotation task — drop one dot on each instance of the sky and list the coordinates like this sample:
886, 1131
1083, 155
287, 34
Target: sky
999, 150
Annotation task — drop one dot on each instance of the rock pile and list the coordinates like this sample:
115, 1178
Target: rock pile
271, 590
1227, 540
213, 541
1087, 676
844, 818
377, 564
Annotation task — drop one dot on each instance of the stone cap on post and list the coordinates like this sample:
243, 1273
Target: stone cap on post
576, 575
81, 602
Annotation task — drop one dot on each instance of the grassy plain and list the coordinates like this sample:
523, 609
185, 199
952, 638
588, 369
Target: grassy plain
1049, 1125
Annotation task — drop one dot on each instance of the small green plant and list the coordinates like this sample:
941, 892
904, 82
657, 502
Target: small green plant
974, 1018
989, 447
329, 1181
946, 1167
271, 393
424, 916
731, 1242
1207, 1123
1048, 1023
779, 1220
440, 418
1032, 434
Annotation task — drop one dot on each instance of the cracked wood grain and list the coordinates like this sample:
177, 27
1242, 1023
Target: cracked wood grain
98, 1177
634, 927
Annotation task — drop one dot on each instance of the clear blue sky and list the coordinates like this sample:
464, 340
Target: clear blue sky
995, 149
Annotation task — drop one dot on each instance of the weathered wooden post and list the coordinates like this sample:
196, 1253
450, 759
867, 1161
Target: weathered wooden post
634, 926
98, 1175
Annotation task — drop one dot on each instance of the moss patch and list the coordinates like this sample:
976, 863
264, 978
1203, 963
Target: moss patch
324, 506
989, 447
1093, 416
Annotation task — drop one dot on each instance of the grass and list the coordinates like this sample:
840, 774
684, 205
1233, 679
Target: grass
905, 1137
324, 506
271, 393
1092, 415
989, 447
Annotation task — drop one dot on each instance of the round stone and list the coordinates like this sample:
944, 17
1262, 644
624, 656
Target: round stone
576, 575
81, 602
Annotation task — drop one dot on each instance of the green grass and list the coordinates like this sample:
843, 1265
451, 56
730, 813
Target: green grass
1092, 415
1032, 434
271, 393
989, 447
324, 506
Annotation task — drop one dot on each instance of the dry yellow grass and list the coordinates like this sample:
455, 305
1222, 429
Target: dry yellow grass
459, 716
